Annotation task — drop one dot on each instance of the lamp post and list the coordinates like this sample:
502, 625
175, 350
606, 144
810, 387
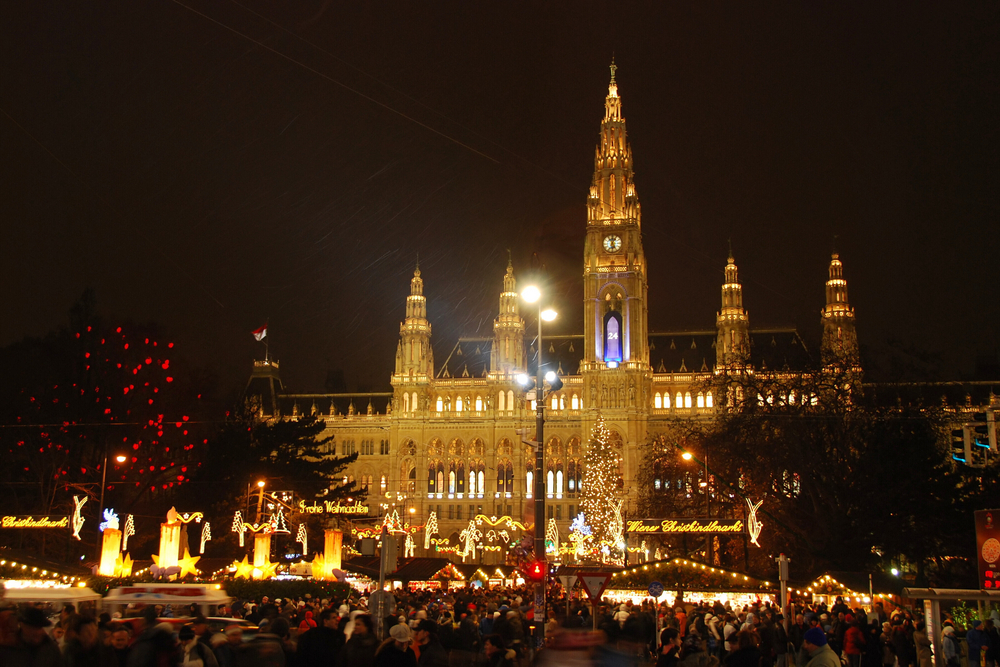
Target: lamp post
260, 498
687, 456
532, 294
121, 458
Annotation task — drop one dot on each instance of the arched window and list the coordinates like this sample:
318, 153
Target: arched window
658, 400
708, 400
460, 477
550, 482
383, 483
530, 481
510, 477
701, 400
666, 400
432, 478
440, 404
612, 337
440, 477
501, 479
406, 402
472, 482
481, 479
510, 399
555, 402
413, 402
501, 403
559, 481
575, 402
458, 404
451, 481
687, 399
562, 402
680, 400
479, 403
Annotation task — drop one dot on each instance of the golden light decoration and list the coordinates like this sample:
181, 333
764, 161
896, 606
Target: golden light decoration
187, 564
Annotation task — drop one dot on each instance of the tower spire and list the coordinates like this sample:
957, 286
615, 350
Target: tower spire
507, 355
840, 340
732, 346
614, 263
414, 358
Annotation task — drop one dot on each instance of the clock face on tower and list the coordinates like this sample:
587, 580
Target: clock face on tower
612, 243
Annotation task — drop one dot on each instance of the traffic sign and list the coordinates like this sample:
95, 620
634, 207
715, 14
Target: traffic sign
655, 589
567, 581
595, 583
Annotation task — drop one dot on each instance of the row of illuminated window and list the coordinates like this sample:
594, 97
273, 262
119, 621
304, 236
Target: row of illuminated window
348, 447
452, 478
701, 400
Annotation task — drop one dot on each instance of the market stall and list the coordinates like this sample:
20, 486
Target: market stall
208, 597
687, 581
54, 595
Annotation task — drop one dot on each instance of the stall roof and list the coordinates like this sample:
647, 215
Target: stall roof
412, 569
49, 594
949, 594
167, 593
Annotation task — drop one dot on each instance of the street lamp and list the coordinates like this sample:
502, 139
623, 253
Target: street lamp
532, 294
121, 458
688, 456
260, 498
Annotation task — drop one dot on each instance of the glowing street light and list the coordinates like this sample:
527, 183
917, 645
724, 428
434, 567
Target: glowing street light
121, 458
532, 294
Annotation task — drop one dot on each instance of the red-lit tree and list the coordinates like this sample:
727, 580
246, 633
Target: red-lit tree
86, 394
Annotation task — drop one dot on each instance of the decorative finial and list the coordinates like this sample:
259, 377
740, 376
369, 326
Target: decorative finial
613, 68
730, 251
416, 269
510, 260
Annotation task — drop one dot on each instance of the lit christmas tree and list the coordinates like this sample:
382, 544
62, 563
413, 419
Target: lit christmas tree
600, 487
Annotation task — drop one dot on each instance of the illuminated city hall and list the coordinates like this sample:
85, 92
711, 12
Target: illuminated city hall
445, 439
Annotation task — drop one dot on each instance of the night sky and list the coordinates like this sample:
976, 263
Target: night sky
210, 165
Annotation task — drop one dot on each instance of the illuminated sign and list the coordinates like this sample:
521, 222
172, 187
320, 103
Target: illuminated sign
34, 522
331, 507
672, 526
988, 549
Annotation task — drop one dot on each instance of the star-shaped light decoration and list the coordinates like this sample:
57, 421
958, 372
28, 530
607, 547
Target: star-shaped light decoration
268, 571
244, 568
317, 566
123, 565
187, 564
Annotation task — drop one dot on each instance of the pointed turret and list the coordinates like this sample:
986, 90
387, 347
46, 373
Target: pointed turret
507, 356
414, 359
614, 263
840, 340
732, 347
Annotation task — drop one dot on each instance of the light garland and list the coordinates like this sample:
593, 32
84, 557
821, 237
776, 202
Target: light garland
129, 531
78, 518
432, 529
551, 537
303, 537
206, 535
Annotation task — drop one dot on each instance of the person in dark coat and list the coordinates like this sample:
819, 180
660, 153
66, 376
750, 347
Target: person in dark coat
746, 653
432, 652
32, 645
155, 646
670, 647
395, 651
319, 646
359, 651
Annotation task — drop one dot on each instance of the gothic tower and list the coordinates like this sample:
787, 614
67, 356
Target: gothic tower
732, 347
507, 356
840, 340
414, 358
614, 265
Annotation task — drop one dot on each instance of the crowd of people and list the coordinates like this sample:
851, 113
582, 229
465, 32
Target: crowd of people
491, 627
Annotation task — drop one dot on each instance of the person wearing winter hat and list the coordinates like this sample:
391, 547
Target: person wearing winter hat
820, 653
395, 651
950, 644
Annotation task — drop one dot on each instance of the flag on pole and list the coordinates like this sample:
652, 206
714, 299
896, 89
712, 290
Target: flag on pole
260, 333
